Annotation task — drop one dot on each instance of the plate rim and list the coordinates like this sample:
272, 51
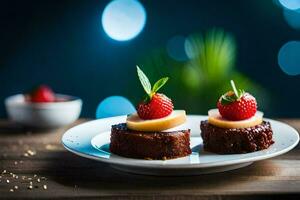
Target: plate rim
176, 166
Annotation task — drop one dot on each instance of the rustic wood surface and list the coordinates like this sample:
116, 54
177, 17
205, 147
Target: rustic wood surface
37, 166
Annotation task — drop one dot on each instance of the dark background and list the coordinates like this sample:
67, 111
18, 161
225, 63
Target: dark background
62, 44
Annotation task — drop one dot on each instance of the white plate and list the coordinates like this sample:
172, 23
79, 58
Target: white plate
91, 140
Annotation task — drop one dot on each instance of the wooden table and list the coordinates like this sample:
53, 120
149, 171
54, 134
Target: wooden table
37, 166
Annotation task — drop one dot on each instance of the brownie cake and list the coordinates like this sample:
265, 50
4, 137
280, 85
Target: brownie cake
236, 140
154, 131
236, 126
149, 145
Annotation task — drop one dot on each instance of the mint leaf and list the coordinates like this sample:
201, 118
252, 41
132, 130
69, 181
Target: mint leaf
144, 81
234, 89
230, 96
225, 99
161, 82
238, 93
241, 93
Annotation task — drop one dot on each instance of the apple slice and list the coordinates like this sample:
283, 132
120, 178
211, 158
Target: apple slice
216, 119
177, 117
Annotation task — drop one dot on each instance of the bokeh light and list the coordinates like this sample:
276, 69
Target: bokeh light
292, 17
175, 48
290, 4
277, 3
289, 59
123, 19
114, 106
192, 46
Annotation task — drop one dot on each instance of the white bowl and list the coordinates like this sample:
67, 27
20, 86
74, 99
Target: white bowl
43, 115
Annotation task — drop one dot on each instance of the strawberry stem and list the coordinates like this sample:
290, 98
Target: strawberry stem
234, 89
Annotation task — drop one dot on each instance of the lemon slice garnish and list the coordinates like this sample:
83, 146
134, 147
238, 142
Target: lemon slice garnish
176, 118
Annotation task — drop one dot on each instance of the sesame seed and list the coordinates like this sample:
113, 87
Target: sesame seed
7, 181
31, 152
51, 147
30, 187
38, 180
16, 187
16, 162
45, 187
11, 190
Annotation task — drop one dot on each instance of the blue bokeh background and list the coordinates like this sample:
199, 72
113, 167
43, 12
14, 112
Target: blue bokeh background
62, 44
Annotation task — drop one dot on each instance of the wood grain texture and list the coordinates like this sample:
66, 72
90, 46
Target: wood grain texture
73, 177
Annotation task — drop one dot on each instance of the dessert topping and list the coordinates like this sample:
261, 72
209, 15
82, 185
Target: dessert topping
216, 119
176, 118
155, 105
237, 104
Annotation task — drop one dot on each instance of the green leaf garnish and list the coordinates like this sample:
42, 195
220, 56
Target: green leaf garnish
144, 81
161, 82
230, 97
147, 85
241, 93
234, 88
238, 93
225, 99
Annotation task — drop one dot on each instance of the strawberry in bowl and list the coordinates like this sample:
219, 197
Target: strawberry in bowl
44, 94
236, 126
42, 108
41, 94
156, 131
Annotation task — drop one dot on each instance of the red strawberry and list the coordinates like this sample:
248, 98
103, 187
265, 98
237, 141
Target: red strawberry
155, 105
42, 94
237, 105
159, 106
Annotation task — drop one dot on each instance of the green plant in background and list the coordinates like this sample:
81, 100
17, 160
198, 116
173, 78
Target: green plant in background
196, 84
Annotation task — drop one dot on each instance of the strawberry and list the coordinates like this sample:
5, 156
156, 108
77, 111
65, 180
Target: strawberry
160, 106
42, 94
237, 104
155, 105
